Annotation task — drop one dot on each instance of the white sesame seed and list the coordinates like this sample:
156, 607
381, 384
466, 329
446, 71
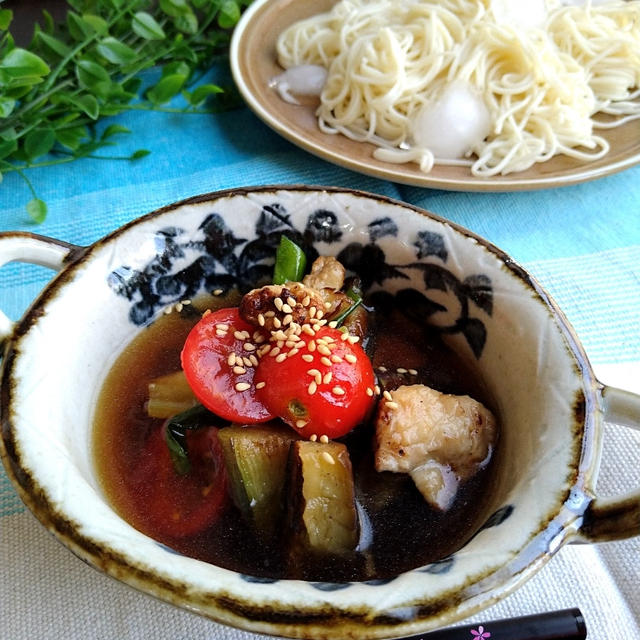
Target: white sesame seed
222, 326
247, 346
377, 390
313, 437
247, 362
206, 313
313, 372
281, 357
333, 324
413, 372
353, 339
280, 335
305, 301
186, 301
278, 304
312, 312
231, 360
338, 391
239, 370
239, 335
242, 386
274, 352
324, 438
221, 333
387, 395
253, 360
308, 329
382, 369
312, 388
218, 292
344, 336
311, 345
291, 301
287, 308
391, 404
260, 385
328, 457
293, 352
307, 357
401, 370
349, 357
261, 319
369, 392
323, 349
277, 323
179, 307
335, 358
264, 349
325, 361
329, 340
300, 423
327, 305
269, 314
327, 377
168, 310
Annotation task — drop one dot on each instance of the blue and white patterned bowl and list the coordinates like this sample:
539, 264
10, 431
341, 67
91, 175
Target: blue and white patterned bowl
550, 405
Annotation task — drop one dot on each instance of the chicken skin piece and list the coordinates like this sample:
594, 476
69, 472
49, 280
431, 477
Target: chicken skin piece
439, 439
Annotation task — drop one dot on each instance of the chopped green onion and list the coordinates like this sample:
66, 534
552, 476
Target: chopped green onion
290, 262
354, 293
176, 435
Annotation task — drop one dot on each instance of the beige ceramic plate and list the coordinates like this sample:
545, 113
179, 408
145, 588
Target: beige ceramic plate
253, 61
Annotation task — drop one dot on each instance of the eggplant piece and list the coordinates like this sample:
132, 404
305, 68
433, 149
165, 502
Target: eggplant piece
323, 508
169, 395
256, 461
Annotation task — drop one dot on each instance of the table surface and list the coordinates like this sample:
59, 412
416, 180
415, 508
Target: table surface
581, 242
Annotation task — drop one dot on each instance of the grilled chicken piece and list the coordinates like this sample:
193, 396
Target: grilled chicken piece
439, 439
326, 273
270, 306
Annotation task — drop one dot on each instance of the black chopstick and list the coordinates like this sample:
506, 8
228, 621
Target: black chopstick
566, 624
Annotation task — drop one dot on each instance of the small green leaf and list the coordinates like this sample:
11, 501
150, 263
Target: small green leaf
37, 210
166, 89
79, 29
112, 130
7, 147
178, 66
201, 93
55, 45
96, 23
87, 103
20, 62
187, 23
229, 14
38, 142
115, 51
72, 137
6, 16
49, 24
7, 105
140, 153
93, 77
174, 8
146, 26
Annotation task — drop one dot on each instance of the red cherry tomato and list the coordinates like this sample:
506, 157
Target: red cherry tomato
325, 388
176, 505
213, 377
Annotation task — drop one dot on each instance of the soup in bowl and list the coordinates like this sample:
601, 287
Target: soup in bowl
368, 530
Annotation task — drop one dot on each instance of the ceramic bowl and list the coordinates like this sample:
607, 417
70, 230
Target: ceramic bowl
550, 405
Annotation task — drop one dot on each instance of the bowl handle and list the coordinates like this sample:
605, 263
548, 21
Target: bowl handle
617, 517
19, 246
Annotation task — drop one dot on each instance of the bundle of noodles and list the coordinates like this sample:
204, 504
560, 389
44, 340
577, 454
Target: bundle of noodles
400, 71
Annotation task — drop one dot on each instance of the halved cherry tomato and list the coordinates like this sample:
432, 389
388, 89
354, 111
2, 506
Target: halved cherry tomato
180, 505
224, 386
325, 388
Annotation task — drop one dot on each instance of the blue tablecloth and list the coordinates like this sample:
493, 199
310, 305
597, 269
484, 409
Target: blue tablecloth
582, 242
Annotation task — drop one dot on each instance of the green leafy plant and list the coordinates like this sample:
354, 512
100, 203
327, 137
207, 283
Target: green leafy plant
72, 73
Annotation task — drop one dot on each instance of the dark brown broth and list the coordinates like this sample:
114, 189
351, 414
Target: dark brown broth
403, 532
